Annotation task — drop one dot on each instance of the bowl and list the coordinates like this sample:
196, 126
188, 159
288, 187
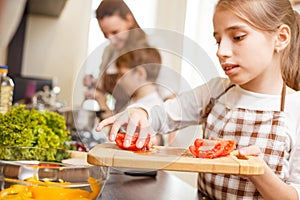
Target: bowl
34, 179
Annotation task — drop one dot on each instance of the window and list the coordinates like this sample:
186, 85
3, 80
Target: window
199, 28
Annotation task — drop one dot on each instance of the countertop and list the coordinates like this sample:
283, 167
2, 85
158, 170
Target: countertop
165, 186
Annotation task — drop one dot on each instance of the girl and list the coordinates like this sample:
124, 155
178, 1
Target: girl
257, 105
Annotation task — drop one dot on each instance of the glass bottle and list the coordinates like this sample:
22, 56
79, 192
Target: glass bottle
6, 90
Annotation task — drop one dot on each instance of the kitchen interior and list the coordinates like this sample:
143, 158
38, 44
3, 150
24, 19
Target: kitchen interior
49, 41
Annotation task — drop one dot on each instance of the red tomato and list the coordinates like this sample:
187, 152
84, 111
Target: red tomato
48, 165
80, 147
198, 142
194, 151
229, 146
212, 148
120, 140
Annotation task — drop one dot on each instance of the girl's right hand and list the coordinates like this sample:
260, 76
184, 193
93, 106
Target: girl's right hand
132, 120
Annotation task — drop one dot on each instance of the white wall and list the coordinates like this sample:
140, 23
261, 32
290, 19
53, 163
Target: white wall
199, 28
57, 47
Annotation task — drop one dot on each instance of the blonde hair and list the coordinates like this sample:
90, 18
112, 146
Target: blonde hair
268, 15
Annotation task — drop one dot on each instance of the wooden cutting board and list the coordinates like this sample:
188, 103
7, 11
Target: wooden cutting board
171, 158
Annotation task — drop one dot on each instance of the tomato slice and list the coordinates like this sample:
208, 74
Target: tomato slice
194, 151
229, 146
198, 142
48, 165
203, 148
120, 140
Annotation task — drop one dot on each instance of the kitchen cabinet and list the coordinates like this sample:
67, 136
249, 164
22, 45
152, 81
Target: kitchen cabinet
51, 8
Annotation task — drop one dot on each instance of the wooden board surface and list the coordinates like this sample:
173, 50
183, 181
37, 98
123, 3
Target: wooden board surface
171, 158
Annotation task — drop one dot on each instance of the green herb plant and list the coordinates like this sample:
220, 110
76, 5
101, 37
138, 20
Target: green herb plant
22, 129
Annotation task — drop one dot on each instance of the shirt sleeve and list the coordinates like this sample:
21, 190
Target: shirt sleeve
186, 109
294, 176
292, 110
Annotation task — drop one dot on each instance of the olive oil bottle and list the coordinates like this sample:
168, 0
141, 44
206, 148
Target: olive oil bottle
6, 90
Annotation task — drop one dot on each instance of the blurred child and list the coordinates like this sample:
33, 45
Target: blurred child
138, 70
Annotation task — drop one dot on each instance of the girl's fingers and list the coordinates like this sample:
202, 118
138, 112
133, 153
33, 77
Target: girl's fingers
142, 138
131, 128
145, 130
136, 121
105, 122
250, 151
114, 131
120, 120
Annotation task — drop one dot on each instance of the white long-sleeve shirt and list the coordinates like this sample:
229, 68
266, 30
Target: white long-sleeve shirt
188, 107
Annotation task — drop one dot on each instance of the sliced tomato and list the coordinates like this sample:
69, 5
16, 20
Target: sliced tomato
49, 165
198, 142
215, 152
194, 151
120, 140
229, 146
203, 148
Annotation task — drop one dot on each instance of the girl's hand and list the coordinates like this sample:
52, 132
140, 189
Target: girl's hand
268, 182
132, 120
250, 151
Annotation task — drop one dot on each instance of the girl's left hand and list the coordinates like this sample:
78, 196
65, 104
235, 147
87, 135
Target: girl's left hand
266, 182
250, 151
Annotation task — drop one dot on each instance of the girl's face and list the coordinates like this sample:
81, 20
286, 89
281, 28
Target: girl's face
116, 29
245, 53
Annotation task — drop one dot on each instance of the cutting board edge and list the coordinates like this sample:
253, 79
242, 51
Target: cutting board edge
112, 156
94, 160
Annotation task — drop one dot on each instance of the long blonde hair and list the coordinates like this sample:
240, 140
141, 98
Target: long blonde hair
268, 15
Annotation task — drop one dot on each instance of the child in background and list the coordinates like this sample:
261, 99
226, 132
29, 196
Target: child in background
138, 70
119, 26
258, 49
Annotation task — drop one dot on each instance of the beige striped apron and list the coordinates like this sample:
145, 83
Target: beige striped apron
266, 129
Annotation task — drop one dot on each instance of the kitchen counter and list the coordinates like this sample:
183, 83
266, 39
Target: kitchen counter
165, 186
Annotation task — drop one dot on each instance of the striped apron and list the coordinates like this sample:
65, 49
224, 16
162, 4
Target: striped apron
265, 129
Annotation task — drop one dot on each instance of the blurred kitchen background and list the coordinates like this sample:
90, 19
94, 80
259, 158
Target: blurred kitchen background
49, 41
